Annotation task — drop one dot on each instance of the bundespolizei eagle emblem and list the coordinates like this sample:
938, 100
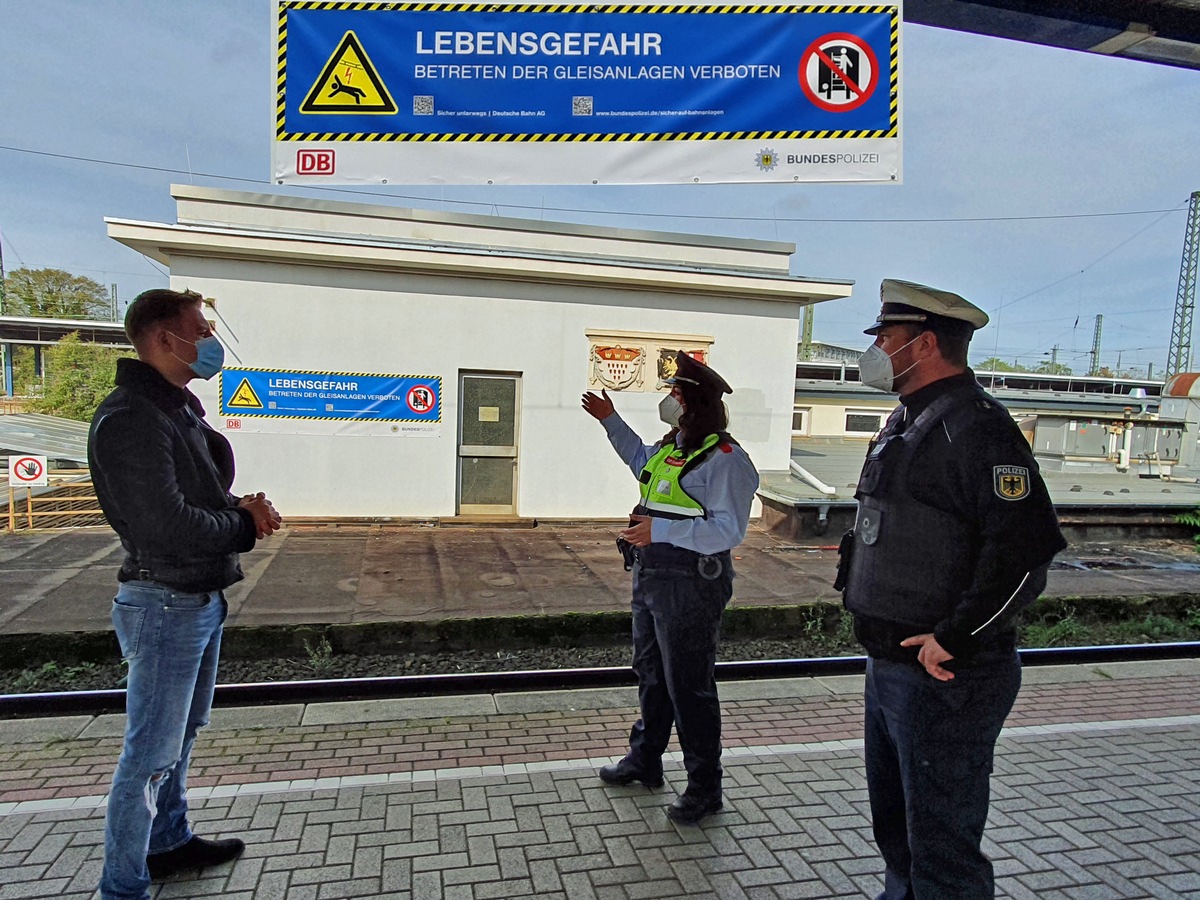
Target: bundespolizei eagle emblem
1010, 482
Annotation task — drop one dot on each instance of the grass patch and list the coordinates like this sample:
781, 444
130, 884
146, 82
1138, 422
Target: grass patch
1059, 623
320, 655
53, 663
51, 673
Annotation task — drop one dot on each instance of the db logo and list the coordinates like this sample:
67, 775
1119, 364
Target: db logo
314, 162
233, 424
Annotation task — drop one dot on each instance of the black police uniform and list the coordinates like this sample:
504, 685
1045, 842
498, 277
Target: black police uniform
954, 535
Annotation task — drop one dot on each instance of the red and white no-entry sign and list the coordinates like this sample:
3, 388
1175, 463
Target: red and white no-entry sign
839, 72
30, 471
421, 398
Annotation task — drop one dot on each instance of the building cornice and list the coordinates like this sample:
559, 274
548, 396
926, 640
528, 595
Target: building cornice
163, 242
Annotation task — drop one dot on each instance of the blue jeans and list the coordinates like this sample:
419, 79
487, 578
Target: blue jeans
676, 628
171, 641
929, 750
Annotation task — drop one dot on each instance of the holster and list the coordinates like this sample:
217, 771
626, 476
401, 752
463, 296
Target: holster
628, 553
845, 552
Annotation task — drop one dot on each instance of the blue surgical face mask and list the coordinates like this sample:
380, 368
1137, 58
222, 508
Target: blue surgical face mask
210, 355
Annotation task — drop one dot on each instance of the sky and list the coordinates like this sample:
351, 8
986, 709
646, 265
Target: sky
1044, 185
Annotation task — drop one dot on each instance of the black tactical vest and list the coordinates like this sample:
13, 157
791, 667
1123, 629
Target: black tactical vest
911, 562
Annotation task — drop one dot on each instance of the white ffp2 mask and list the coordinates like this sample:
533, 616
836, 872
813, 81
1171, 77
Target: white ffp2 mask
875, 367
669, 410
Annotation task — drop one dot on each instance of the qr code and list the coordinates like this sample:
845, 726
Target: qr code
270, 404
328, 407
423, 105
581, 106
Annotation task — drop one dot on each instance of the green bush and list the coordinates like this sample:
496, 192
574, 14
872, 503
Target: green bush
1191, 518
78, 376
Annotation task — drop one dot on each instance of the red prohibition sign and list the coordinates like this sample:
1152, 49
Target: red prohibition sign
822, 72
421, 398
27, 468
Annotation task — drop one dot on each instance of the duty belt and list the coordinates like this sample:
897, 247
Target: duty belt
677, 562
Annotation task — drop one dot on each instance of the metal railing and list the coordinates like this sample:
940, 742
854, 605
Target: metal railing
69, 502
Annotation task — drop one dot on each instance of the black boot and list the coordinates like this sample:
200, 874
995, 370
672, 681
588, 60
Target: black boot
197, 853
627, 772
689, 808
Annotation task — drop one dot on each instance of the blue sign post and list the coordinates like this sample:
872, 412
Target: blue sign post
466, 93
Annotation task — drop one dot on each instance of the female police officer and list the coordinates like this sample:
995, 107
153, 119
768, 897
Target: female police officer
697, 485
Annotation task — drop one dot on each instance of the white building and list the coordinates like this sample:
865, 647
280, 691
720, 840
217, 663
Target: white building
387, 362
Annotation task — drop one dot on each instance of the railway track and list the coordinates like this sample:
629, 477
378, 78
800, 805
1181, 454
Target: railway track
396, 686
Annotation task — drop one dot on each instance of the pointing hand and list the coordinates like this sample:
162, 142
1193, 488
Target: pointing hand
599, 408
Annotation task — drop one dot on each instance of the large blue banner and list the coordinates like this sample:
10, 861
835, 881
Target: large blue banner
330, 396
577, 86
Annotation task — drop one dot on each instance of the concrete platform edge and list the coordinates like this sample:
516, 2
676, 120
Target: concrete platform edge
50, 728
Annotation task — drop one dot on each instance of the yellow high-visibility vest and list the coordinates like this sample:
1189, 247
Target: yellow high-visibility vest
662, 494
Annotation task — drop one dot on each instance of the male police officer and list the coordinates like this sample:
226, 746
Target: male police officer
954, 535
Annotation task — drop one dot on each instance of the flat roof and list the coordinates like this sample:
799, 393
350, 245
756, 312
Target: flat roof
837, 462
1158, 31
383, 211
48, 436
35, 330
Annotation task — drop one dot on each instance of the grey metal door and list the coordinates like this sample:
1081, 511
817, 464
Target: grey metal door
489, 409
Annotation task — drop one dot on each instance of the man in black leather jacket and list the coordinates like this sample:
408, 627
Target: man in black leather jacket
162, 476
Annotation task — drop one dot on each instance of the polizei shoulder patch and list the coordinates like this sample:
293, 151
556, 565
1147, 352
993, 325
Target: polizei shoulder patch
1010, 482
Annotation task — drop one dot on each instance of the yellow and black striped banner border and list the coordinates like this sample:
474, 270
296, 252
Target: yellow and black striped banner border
437, 378
281, 74
329, 5
348, 419
238, 414
584, 138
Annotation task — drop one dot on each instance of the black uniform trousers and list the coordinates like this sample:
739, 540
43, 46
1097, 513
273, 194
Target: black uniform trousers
929, 746
678, 599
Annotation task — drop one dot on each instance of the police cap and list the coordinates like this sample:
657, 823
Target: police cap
690, 370
908, 303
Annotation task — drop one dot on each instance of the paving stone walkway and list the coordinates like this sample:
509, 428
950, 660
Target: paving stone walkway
1096, 794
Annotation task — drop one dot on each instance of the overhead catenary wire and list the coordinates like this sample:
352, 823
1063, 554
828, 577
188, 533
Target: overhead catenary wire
1096, 261
492, 205
773, 217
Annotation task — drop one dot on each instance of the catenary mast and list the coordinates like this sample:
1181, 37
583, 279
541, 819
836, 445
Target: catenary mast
1179, 354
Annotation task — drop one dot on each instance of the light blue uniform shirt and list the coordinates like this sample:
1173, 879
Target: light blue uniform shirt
724, 484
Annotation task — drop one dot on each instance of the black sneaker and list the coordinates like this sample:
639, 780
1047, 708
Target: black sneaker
689, 809
626, 772
197, 853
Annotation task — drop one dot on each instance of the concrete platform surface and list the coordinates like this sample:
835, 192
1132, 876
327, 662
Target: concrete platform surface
63, 581
1095, 794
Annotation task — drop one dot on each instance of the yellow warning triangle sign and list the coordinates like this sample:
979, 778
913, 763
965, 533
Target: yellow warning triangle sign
349, 83
244, 397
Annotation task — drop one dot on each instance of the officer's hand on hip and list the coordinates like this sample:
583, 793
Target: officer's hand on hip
598, 407
639, 534
932, 655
